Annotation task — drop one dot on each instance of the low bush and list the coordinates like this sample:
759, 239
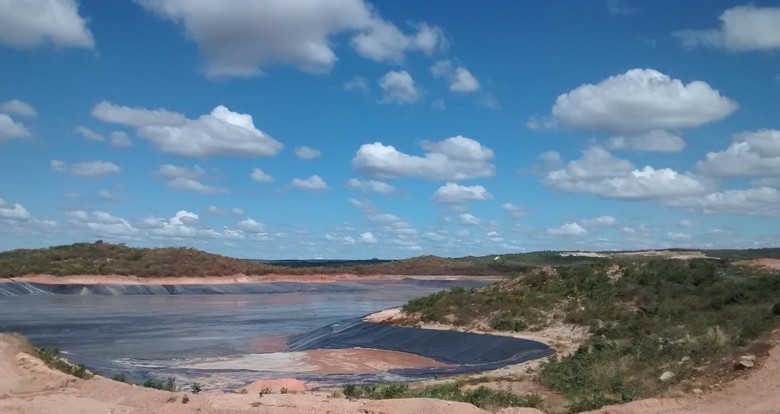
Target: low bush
51, 357
482, 397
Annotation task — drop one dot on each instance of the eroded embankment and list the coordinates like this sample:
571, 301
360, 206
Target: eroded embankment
171, 286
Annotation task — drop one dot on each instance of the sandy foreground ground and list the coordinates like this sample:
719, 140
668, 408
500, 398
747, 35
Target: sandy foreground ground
27, 386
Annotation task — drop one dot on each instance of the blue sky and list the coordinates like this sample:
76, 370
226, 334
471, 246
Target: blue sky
355, 129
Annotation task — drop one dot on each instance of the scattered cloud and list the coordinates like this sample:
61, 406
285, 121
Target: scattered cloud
750, 154
568, 229
184, 224
89, 134
14, 211
373, 186
742, 29
10, 129
640, 100
600, 173
101, 223
459, 78
91, 169
136, 117
307, 153
453, 159
601, 221
656, 140
224, 212
119, 139
358, 83
187, 179
398, 87
469, 219
313, 183
35, 22
220, 133
260, 176
384, 42
761, 201
452, 193
17, 107
686, 223
514, 210
620, 7
367, 237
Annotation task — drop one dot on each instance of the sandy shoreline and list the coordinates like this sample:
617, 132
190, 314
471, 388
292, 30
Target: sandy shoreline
219, 280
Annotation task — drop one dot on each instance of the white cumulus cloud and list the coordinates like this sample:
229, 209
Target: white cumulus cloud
222, 132
600, 173
460, 78
399, 87
313, 183
452, 193
742, 28
641, 100
10, 129
568, 229
14, 211
238, 38
750, 154
30, 23
452, 159
761, 201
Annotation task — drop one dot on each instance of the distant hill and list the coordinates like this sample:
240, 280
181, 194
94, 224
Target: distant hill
105, 259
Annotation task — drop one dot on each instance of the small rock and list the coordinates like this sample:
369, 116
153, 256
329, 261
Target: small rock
698, 391
743, 364
685, 359
666, 376
748, 357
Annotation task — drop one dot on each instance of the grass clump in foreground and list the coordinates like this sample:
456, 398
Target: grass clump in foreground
482, 397
644, 319
51, 357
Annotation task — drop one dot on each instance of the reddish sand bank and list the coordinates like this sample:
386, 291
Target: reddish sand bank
218, 280
364, 361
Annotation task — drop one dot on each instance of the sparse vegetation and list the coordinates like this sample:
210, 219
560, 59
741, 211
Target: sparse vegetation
644, 317
51, 357
168, 385
482, 397
196, 387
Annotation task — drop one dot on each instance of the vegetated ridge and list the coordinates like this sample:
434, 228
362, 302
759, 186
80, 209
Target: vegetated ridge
654, 326
101, 258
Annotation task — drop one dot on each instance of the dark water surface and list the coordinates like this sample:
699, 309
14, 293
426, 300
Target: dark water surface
158, 335
224, 337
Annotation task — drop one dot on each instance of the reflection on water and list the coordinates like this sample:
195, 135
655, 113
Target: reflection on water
152, 335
